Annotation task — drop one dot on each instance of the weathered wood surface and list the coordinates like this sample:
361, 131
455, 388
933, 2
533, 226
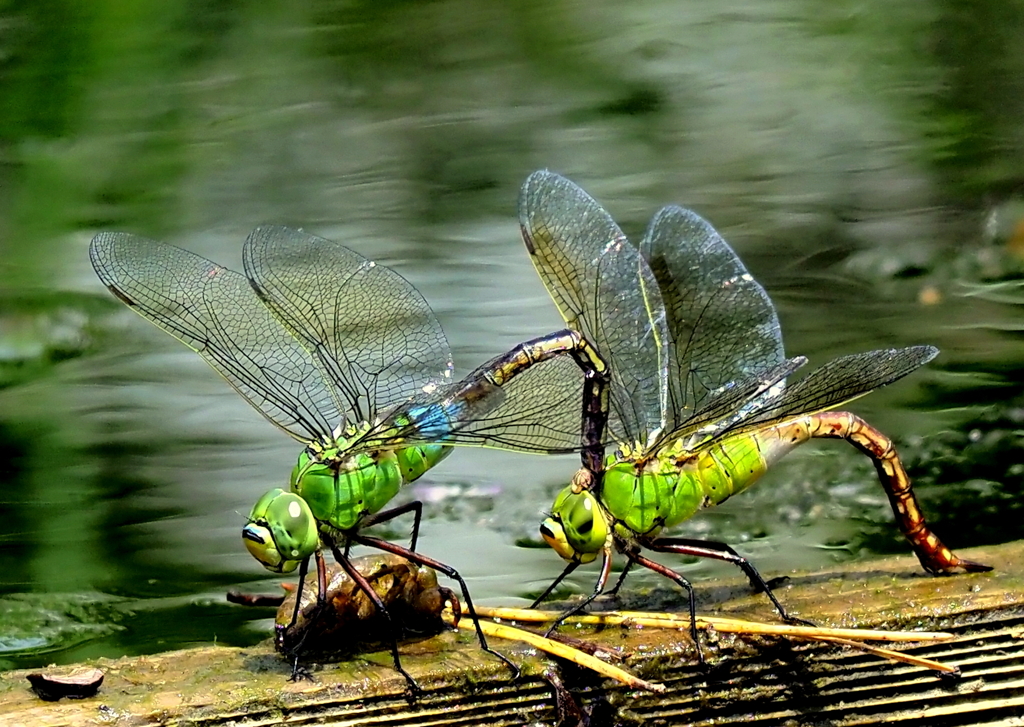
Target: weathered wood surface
751, 681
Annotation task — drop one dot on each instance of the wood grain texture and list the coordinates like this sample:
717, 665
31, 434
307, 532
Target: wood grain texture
749, 680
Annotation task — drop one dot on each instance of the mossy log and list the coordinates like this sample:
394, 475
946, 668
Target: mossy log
749, 680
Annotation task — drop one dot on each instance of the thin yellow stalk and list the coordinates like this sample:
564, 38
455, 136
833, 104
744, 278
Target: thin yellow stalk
722, 624
503, 631
890, 654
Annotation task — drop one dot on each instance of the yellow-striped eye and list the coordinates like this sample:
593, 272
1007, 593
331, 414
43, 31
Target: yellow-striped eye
577, 529
281, 531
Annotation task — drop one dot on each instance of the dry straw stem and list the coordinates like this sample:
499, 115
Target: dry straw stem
555, 648
724, 625
842, 637
890, 654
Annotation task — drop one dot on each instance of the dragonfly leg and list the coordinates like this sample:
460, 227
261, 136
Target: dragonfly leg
934, 556
554, 584
364, 585
721, 551
415, 507
299, 672
451, 573
303, 570
602, 581
622, 579
321, 579
686, 585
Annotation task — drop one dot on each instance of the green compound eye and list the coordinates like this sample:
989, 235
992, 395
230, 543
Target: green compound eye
281, 531
577, 529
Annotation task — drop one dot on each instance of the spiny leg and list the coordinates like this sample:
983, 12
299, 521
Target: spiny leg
303, 570
721, 551
554, 584
451, 573
622, 579
691, 598
415, 507
602, 581
321, 604
364, 585
934, 556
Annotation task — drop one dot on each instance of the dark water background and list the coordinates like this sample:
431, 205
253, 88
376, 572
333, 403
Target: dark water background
865, 159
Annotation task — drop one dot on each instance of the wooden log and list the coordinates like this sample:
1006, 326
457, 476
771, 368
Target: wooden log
749, 680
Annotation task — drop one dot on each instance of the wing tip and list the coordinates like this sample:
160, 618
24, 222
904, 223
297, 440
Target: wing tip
928, 352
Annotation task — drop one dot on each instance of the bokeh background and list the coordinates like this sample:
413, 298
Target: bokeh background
864, 158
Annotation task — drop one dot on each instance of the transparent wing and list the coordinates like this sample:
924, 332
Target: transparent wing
728, 408
842, 380
363, 324
836, 383
605, 290
538, 411
215, 312
722, 323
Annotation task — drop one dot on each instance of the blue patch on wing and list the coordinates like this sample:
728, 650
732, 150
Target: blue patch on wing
435, 421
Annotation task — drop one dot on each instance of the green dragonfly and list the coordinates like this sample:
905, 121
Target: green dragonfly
347, 357
697, 401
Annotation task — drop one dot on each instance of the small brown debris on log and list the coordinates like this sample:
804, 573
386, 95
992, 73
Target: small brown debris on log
79, 684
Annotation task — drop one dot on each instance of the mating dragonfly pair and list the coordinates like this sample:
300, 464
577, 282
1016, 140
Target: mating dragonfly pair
672, 357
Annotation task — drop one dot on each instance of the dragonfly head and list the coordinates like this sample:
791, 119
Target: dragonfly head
281, 532
578, 527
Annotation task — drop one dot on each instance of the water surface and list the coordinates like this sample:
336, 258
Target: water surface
864, 161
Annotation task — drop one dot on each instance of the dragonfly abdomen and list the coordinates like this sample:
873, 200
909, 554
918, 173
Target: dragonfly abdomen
733, 465
670, 489
773, 443
933, 555
434, 421
415, 461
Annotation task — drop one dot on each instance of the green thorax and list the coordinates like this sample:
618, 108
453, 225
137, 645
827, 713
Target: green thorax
342, 487
644, 497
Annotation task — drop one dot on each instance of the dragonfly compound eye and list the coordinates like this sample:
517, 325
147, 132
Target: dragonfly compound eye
578, 528
281, 532
554, 535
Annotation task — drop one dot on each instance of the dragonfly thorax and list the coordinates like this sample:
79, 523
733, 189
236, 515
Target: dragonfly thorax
643, 497
341, 488
678, 450
627, 453
342, 438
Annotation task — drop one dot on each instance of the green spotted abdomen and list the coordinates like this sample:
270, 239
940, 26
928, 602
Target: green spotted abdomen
415, 461
670, 489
